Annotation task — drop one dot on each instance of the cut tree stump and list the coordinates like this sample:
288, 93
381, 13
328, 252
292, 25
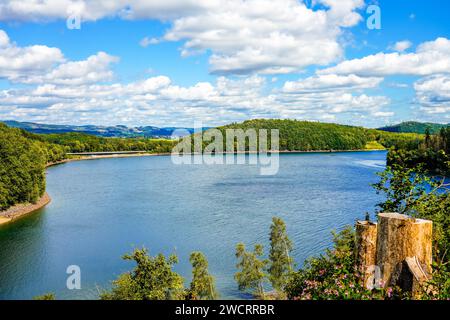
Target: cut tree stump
401, 240
366, 251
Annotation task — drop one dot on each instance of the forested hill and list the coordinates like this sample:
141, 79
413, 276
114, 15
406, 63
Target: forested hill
415, 127
118, 131
309, 136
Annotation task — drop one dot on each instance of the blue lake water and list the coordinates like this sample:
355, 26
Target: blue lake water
102, 209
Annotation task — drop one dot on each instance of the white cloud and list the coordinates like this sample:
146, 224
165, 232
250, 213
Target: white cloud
401, 46
330, 82
383, 114
430, 58
92, 10
40, 64
4, 39
244, 36
17, 62
265, 36
158, 101
433, 94
94, 69
145, 42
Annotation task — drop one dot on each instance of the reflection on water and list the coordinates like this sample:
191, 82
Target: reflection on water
102, 209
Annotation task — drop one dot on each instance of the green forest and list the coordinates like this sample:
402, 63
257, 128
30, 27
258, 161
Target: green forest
415, 127
81, 142
297, 135
22, 166
432, 153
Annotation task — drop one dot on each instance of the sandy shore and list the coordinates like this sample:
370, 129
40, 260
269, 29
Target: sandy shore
82, 158
21, 210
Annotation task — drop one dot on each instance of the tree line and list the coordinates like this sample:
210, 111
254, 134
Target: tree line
81, 142
432, 153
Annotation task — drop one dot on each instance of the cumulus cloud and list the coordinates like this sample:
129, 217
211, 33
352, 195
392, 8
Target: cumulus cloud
15, 61
41, 64
94, 69
265, 36
159, 101
331, 82
430, 58
433, 94
244, 36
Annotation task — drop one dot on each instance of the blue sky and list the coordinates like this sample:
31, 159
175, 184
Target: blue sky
222, 61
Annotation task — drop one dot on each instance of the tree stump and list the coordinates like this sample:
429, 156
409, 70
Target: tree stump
400, 238
366, 251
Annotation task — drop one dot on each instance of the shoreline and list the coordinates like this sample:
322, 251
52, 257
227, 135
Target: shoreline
21, 210
110, 156
82, 158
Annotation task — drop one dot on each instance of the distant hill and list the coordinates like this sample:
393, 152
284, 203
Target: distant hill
118, 131
309, 136
414, 127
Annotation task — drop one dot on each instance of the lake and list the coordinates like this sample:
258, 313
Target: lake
102, 209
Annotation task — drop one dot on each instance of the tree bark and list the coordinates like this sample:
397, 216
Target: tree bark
401, 237
366, 251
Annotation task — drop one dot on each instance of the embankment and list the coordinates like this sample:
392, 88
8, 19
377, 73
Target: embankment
22, 210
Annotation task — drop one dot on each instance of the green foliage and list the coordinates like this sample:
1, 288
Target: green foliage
403, 188
202, 285
251, 274
305, 136
432, 153
80, 142
312, 136
414, 192
280, 254
151, 279
46, 296
406, 141
415, 127
374, 145
331, 276
22, 164
438, 287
